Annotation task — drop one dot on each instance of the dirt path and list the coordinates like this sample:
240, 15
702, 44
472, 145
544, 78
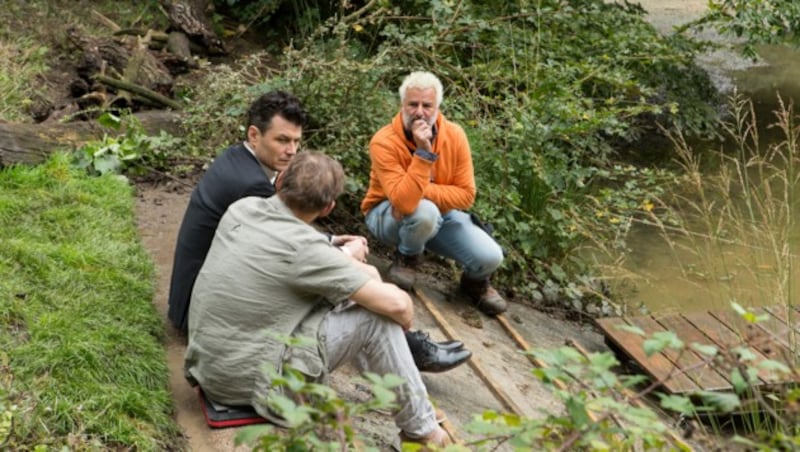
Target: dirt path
159, 211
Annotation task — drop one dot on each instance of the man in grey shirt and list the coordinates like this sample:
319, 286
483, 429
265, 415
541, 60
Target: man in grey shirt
268, 274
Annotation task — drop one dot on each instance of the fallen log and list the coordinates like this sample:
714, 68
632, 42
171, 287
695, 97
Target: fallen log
33, 143
137, 89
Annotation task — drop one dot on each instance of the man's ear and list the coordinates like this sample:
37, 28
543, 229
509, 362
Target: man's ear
327, 211
279, 180
253, 134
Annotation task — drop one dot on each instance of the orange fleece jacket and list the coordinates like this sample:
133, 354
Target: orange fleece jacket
405, 179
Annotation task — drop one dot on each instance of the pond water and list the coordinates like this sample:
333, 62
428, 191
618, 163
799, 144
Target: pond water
754, 262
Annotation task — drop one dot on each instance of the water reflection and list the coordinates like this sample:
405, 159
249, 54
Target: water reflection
754, 267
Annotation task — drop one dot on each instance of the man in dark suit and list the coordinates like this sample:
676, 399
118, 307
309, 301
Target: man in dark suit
274, 129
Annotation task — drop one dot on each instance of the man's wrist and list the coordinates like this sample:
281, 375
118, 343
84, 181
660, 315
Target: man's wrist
426, 155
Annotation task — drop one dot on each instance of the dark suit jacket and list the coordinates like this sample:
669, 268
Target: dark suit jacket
234, 175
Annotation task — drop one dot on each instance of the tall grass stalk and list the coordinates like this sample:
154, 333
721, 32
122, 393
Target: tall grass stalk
738, 219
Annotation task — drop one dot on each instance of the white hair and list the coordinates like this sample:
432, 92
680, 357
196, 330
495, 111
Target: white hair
422, 80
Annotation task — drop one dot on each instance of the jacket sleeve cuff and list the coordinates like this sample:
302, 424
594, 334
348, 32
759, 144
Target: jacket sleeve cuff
426, 155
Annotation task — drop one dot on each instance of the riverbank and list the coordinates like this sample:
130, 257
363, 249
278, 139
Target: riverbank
722, 64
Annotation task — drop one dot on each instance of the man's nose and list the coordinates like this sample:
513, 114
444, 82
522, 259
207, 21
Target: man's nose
292, 148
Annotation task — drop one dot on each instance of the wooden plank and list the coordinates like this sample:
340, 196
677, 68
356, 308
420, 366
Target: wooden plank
789, 317
777, 329
658, 366
523, 344
761, 340
694, 365
791, 338
474, 362
725, 338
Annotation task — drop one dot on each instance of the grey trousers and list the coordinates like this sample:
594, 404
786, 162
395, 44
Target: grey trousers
376, 344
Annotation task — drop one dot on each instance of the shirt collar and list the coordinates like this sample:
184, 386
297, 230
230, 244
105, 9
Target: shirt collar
271, 174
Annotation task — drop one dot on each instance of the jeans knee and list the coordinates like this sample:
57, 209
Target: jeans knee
426, 219
493, 260
486, 262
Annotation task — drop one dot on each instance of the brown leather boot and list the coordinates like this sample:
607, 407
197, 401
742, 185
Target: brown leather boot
403, 270
485, 297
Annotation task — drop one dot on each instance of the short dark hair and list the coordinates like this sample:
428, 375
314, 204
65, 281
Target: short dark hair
263, 109
311, 182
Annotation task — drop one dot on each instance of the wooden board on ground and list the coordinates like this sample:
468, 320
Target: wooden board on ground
688, 371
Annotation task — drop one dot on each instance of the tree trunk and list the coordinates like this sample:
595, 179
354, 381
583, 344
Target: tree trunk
33, 143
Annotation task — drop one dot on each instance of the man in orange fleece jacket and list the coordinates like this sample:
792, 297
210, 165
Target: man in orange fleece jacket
421, 182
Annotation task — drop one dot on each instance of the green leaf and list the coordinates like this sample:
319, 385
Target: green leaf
745, 354
708, 350
107, 164
724, 402
774, 366
603, 361
110, 120
577, 412
250, 433
661, 340
558, 272
738, 308
677, 403
738, 381
630, 329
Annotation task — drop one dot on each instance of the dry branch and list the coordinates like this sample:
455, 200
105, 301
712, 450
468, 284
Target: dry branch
137, 89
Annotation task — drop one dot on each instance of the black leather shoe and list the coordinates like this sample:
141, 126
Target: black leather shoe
430, 356
416, 338
450, 345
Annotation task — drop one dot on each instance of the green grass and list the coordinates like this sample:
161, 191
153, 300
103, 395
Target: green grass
81, 357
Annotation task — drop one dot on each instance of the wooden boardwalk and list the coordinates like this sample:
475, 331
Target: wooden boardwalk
773, 337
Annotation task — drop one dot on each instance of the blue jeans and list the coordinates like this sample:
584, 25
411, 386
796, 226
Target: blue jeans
452, 235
